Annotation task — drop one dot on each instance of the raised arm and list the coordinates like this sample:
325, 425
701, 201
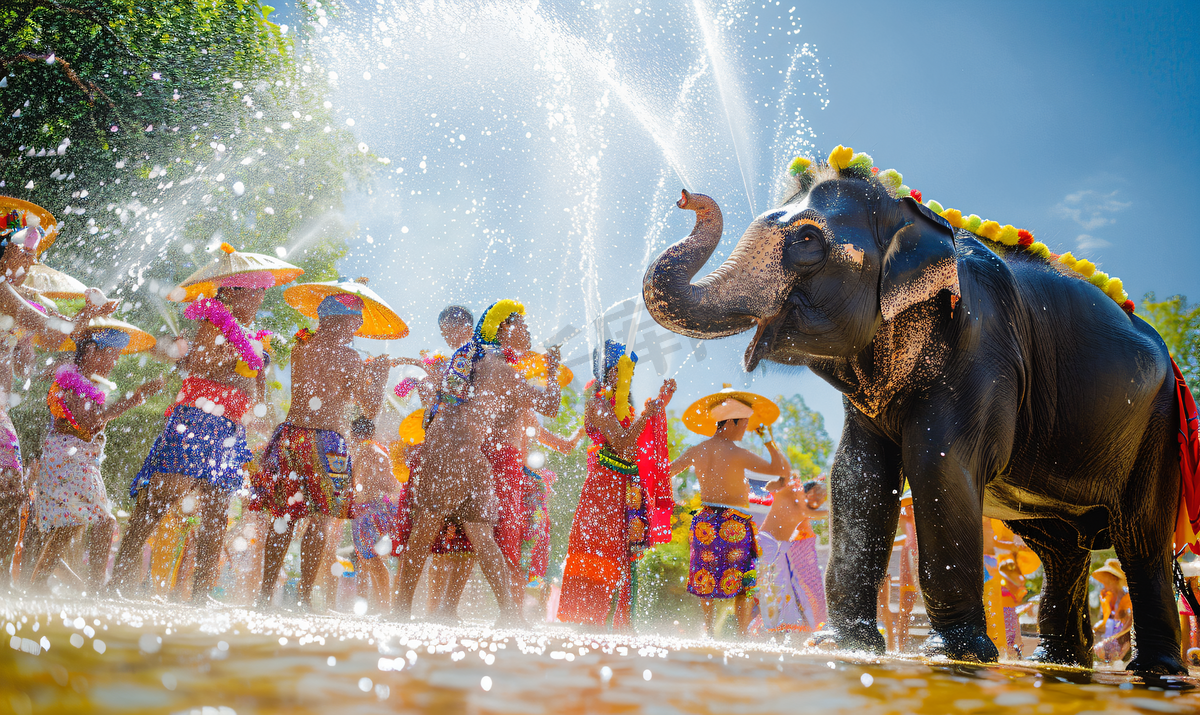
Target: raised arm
564, 445
684, 462
600, 413
545, 401
778, 466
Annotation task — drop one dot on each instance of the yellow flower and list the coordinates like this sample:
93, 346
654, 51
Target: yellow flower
1008, 235
1085, 268
1116, 290
840, 157
1099, 279
799, 165
1068, 260
953, 217
990, 230
496, 315
1038, 248
622, 408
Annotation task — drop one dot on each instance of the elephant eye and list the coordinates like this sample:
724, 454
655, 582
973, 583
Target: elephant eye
804, 243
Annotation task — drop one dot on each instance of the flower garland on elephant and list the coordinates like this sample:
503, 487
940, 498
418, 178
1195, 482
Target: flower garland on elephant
1001, 238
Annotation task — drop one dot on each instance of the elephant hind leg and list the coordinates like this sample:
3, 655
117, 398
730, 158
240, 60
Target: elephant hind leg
1142, 536
1066, 633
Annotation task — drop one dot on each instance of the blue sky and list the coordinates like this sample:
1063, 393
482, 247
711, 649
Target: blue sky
535, 151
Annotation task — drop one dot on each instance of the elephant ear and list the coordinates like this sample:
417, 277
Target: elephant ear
919, 260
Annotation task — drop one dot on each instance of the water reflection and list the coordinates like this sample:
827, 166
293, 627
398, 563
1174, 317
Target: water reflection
88, 656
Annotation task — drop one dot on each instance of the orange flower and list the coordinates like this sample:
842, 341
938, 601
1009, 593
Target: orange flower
703, 532
703, 582
733, 532
731, 581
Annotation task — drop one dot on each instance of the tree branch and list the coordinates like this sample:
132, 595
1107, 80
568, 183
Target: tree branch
90, 90
90, 14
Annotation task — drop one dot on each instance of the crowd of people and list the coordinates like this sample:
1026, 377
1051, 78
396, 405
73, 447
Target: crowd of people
463, 482
460, 485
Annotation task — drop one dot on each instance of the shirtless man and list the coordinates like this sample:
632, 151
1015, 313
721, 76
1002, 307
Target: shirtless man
203, 443
505, 450
724, 547
18, 251
306, 467
792, 597
454, 477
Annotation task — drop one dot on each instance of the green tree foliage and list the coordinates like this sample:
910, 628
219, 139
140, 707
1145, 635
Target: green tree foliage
801, 432
1179, 325
154, 132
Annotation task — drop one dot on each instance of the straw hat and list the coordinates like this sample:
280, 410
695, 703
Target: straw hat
729, 404
379, 320
31, 214
139, 340
1111, 567
532, 366
53, 284
228, 264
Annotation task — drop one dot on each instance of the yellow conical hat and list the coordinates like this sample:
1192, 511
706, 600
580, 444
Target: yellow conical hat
139, 340
412, 432
53, 284
379, 320
229, 264
700, 419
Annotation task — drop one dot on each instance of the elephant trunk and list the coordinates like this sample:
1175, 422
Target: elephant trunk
698, 310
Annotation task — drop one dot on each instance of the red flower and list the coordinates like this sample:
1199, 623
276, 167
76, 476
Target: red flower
915, 194
1128, 306
303, 334
1024, 238
874, 169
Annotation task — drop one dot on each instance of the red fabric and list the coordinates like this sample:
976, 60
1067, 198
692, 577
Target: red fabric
234, 400
1189, 458
597, 555
653, 464
511, 483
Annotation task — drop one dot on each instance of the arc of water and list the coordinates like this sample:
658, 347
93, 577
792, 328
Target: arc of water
729, 103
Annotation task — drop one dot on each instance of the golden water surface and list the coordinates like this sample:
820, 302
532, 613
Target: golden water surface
68, 656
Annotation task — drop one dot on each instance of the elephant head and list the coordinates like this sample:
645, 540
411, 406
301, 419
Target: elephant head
816, 276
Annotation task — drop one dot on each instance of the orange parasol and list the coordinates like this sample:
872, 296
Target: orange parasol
25, 210
379, 320
139, 340
411, 433
53, 284
228, 264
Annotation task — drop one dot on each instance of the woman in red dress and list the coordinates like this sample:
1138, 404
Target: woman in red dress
626, 503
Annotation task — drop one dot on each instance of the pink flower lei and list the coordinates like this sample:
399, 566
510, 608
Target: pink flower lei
70, 379
215, 312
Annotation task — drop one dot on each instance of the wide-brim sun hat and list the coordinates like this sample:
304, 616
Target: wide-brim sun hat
41, 218
139, 340
700, 419
234, 268
53, 284
532, 366
379, 320
1113, 568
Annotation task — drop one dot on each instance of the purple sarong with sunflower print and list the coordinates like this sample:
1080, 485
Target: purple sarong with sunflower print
724, 550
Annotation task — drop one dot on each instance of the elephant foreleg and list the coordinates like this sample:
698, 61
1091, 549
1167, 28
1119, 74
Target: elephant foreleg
864, 509
1066, 634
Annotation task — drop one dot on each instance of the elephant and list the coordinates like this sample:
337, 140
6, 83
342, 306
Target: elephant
998, 382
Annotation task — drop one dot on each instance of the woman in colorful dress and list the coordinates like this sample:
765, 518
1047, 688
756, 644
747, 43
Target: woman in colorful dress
625, 495
70, 490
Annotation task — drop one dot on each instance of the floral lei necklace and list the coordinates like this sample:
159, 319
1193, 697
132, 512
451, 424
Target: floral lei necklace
215, 312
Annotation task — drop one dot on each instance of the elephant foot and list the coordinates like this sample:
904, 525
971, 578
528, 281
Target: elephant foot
1157, 664
964, 642
1059, 651
850, 637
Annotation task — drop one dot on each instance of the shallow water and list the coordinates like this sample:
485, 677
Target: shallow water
135, 657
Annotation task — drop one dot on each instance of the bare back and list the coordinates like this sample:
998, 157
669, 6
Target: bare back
373, 471
787, 512
324, 378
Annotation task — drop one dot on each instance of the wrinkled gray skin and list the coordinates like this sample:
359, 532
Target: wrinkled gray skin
998, 387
